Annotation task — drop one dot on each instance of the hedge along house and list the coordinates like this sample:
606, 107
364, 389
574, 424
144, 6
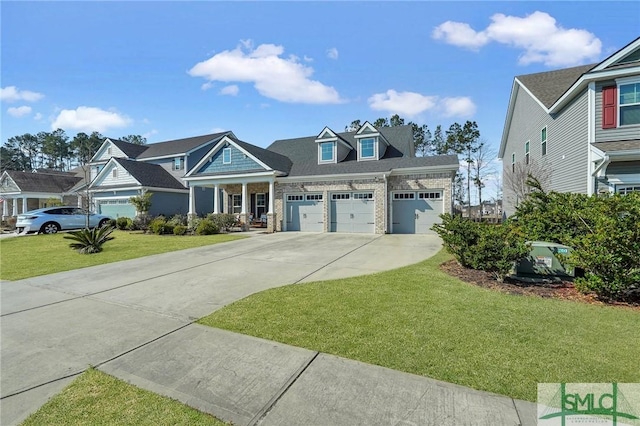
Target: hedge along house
121, 170
367, 181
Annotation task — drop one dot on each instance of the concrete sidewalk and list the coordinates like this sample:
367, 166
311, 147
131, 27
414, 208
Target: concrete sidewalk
134, 319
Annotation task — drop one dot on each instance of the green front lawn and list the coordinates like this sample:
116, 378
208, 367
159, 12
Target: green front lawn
30, 256
95, 398
420, 320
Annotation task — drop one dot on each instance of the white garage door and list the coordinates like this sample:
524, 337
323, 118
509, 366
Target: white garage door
117, 208
304, 212
416, 212
352, 212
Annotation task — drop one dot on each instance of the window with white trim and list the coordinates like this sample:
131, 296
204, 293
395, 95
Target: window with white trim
342, 196
436, 195
543, 141
367, 148
629, 103
236, 203
178, 163
114, 173
363, 196
526, 152
327, 152
513, 162
404, 196
314, 197
627, 189
295, 197
226, 156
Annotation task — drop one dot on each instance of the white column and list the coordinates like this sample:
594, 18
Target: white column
244, 198
24, 204
15, 207
5, 209
271, 196
216, 198
192, 200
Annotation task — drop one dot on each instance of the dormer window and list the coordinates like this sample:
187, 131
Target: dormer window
178, 163
327, 152
367, 148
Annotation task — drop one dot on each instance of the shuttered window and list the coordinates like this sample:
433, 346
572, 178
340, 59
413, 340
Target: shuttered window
609, 107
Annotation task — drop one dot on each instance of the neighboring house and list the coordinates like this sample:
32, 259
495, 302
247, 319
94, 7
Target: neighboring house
491, 211
367, 181
24, 191
578, 127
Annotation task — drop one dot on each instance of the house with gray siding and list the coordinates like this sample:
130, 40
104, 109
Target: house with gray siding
576, 129
364, 181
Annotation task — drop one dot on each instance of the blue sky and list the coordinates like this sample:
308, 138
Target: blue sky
275, 70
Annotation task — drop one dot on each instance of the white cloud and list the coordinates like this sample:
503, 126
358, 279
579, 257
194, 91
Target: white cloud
206, 86
457, 107
150, 133
411, 104
403, 103
20, 111
37, 117
89, 119
539, 35
231, 90
12, 94
332, 53
275, 77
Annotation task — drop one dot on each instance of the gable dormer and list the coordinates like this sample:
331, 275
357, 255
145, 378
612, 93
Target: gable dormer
371, 144
331, 147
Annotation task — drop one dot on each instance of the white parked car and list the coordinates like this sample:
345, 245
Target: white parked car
53, 219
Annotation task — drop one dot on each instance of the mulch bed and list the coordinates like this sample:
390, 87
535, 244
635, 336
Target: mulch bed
551, 289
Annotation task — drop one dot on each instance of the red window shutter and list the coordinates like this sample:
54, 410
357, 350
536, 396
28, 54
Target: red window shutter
609, 107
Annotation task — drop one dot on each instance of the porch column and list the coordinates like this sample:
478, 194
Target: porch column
216, 198
24, 204
5, 209
14, 206
244, 198
192, 201
271, 193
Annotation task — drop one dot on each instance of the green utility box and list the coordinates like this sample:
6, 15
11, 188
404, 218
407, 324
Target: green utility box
543, 260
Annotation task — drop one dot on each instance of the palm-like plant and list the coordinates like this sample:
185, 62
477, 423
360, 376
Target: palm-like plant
90, 241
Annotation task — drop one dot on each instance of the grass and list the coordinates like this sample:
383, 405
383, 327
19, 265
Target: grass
30, 256
420, 320
95, 398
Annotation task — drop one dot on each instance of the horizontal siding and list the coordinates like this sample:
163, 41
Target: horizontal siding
623, 167
104, 155
197, 155
167, 164
123, 178
110, 194
567, 144
169, 204
618, 134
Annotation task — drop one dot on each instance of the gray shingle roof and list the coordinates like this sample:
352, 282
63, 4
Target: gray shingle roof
131, 150
270, 158
150, 174
177, 146
549, 86
618, 145
303, 153
55, 183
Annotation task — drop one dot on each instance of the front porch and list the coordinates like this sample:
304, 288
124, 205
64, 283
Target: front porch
251, 199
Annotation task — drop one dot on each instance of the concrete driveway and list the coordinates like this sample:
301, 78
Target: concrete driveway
53, 327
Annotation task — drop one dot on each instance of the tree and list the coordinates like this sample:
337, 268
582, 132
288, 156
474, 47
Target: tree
516, 180
481, 168
421, 139
84, 146
438, 142
29, 146
13, 159
465, 140
381, 122
135, 139
56, 148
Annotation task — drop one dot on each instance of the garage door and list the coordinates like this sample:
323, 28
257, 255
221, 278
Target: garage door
305, 212
352, 212
117, 208
416, 212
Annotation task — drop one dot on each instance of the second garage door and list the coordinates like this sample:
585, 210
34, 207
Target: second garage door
117, 208
416, 212
352, 212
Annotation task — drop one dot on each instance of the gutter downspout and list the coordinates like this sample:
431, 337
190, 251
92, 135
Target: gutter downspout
386, 203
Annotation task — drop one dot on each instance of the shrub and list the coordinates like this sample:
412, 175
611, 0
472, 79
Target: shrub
497, 249
458, 235
141, 222
178, 219
90, 241
207, 227
123, 223
179, 230
142, 202
157, 225
225, 221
